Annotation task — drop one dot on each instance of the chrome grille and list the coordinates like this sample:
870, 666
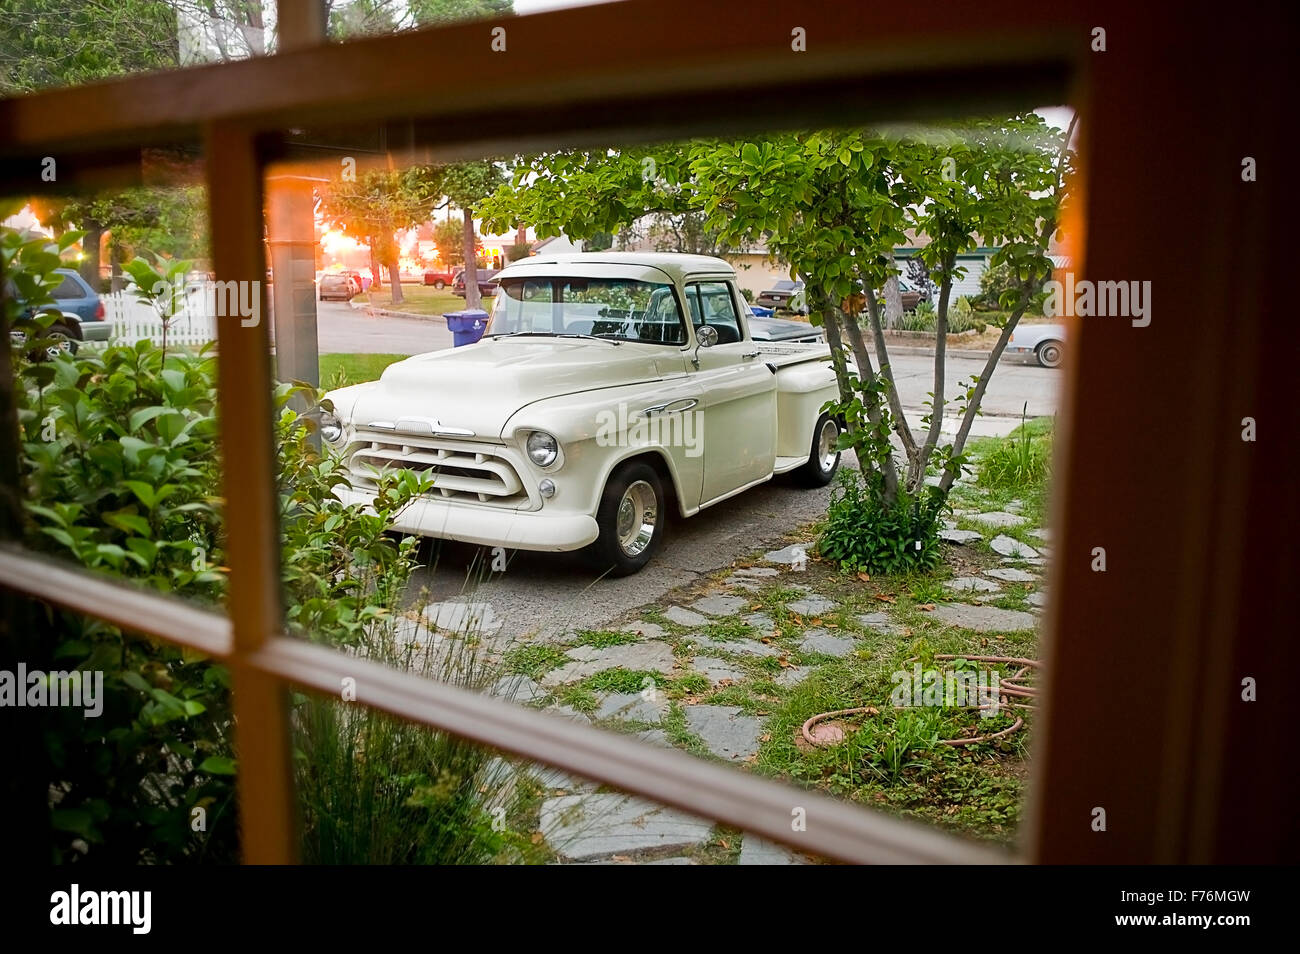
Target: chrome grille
471, 471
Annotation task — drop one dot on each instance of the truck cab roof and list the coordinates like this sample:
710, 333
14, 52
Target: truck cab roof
648, 266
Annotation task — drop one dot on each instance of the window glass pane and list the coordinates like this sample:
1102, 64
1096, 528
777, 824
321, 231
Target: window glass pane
128, 743
718, 310
485, 486
113, 324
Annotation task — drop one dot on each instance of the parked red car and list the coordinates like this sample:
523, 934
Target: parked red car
438, 280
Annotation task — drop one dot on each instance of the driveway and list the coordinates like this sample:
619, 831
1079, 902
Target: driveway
554, 592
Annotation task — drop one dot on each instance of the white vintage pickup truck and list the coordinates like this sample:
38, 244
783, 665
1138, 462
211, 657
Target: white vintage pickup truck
607, 389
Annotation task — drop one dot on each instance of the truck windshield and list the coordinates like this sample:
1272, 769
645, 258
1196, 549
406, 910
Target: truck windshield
614, 308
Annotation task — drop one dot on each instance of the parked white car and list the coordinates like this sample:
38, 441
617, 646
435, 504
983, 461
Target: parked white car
1045, 343
607, 389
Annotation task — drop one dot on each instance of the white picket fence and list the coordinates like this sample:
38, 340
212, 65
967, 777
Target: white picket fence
134, 320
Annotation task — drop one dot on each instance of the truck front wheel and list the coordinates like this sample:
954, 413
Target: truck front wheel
631, 520
823, 458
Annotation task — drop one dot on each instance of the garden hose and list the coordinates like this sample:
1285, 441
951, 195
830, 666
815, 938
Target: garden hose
1010, 686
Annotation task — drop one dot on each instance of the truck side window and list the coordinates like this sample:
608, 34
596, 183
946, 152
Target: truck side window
711, 304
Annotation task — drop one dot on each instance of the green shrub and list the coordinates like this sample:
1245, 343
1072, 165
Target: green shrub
378, 790
863, 533
1018, 462
921, 318
121, 475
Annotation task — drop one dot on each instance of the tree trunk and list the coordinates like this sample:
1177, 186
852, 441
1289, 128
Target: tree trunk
940, 381
841, 324
893, 302
90, 249
395, 277
472, 297
901, 427
376, 278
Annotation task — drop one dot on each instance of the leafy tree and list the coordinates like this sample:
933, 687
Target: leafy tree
46, 43
354, 18
835, 204
465, 185
449, 237
375, 207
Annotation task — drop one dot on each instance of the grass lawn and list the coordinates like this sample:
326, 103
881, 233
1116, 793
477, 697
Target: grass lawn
419, 300
340, 370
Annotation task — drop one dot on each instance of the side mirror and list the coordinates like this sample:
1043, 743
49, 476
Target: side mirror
705, 337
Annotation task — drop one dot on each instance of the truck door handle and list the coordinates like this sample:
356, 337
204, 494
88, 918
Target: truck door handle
672, 407
751, 354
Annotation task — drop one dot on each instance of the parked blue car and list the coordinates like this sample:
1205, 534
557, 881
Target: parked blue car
80, 310
81, 307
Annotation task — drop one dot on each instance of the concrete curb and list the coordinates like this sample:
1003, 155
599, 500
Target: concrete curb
951, 352
372, 312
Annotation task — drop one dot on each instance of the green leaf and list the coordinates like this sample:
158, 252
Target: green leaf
218, 765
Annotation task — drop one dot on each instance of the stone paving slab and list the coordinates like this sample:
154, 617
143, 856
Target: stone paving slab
645, 629
631, 706
519, 689
820, 641
812, 606
795, 553
1010, 574
791, 677
1011, 547
717, 670
590, 826
740, 647
651, 655
960, 536
720, 605
684, 617
724, 730
459, 617
971, 584
998, 518
881, 623
760, 851
984, 619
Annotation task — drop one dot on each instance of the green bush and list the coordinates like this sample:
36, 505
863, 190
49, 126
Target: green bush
1018, 462
864, 533
378, 790
921, 318
121, 475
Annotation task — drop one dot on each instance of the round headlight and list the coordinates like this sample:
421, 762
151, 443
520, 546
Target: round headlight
542, 448
331, 428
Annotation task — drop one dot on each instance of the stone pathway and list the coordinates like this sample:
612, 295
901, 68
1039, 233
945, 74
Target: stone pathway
730, 645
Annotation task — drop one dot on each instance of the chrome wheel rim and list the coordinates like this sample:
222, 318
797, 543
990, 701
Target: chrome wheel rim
826, 441
636, 518
1051, 356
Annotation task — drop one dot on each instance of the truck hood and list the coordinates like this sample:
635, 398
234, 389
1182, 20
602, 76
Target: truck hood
479, 387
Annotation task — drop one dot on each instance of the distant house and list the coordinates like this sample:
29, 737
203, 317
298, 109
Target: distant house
556, 245
754, 265
975, 263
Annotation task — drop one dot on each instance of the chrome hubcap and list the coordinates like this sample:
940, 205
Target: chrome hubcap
830, 433
638, 512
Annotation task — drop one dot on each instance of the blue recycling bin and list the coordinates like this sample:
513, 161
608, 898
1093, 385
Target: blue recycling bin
466, 327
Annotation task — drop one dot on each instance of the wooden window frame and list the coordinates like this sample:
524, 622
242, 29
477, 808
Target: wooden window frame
1199, 783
